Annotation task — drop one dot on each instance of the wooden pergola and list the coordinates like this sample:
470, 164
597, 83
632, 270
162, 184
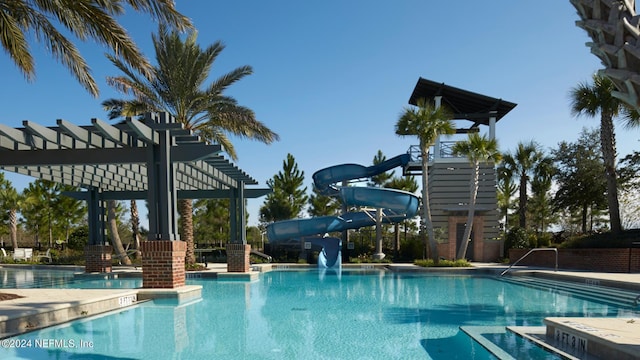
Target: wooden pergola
154, 158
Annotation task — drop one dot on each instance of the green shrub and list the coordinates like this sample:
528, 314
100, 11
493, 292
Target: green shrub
412, 248
442, 263
78, 238
624, 239
544, 239
519, 238
366, 258
194, 267
70, 257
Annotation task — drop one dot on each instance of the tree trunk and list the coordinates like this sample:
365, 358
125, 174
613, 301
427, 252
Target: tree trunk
473, 194
426, 215
50, 232
522, 201
186, 217
396, 241
585, 210
135, 227
378, 255
113, 233
13, 224
608, 144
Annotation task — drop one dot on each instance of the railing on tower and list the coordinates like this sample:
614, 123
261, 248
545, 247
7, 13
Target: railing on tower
445, 151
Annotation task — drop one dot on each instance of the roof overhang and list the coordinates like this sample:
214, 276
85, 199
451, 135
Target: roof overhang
466, 105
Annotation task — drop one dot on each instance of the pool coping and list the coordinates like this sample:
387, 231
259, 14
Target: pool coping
40, 308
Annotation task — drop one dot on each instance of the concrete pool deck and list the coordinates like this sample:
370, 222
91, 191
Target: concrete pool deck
602, 337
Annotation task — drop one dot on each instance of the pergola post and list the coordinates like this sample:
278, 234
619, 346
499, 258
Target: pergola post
493, 115
238, 251
163, 254
97, 252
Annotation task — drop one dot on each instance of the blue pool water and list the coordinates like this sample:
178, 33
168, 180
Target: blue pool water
307, 315
62, 279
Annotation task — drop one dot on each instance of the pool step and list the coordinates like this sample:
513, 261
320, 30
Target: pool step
605, 338
39, 308
570, 338
583, 290
586, 338
35, 309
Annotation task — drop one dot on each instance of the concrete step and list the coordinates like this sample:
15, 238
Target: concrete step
39, 308
600, 293
606, 338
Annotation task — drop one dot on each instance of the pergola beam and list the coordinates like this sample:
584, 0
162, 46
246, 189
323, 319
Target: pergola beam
182, 194
74, 157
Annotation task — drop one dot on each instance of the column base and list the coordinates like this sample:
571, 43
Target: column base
238, 257
97, 258
163, 264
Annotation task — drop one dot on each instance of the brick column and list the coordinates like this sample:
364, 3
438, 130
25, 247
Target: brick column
97, 258
238, 257
163, 263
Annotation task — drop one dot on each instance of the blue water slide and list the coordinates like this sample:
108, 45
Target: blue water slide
288, 229
396, 202
329, 257
397, 205
325, 180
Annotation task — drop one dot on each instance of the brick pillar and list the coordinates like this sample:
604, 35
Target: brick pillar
97, 258
238, 257
163, 263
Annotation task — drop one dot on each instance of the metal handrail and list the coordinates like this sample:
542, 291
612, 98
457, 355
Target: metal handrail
446, 151
527, 254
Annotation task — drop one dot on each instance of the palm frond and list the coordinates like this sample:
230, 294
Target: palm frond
241, 122
175, 85
13, 39
164, 11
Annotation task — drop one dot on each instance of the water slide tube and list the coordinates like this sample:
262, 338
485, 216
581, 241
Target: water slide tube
397, 205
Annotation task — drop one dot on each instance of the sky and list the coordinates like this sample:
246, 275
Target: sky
332, 77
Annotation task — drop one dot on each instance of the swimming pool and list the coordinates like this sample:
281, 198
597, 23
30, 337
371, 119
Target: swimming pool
305, 314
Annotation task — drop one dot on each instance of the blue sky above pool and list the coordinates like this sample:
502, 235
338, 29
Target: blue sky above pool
332, 77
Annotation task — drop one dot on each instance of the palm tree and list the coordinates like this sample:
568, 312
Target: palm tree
541, 211
477, 149
591, 99
505, 191
522, 164
112, 223
21, 20
177, 85
427, 122
135, 227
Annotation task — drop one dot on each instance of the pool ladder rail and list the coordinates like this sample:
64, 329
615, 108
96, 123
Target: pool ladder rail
527, 254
